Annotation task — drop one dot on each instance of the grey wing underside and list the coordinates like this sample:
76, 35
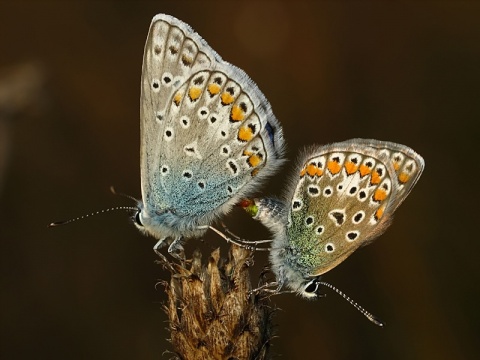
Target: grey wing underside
408, 166
206, 129
350, 190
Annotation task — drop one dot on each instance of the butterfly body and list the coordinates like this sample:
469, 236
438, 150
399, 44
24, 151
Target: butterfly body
208, 134
341, 197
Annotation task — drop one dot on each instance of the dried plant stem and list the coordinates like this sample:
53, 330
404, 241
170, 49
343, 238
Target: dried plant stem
212, 314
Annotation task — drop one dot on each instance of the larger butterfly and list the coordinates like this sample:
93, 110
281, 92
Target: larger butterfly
341, 196
208, 134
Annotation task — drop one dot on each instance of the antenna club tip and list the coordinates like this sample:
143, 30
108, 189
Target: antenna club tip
364, 312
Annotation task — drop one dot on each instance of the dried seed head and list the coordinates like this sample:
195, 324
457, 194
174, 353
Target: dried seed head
211, 311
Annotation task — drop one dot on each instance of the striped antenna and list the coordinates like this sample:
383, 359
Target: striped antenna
112, 189
367, 314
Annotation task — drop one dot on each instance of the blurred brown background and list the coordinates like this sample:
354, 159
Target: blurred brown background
404, 72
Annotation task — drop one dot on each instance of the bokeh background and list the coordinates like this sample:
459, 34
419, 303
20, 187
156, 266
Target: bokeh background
405, 72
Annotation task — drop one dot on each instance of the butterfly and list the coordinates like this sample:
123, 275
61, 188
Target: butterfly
208, 135
341, 197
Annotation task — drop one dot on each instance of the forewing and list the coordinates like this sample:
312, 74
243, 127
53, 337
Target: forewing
208, 133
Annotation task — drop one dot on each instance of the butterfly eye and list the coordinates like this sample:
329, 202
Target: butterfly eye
137, 219
311, 287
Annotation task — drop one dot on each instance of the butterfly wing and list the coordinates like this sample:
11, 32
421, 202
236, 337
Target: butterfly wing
208, 134
344, 197
407, 163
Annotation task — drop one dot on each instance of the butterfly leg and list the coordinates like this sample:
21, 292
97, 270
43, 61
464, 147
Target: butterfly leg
176, 249
269, 289
249, 245
163, 261
160, 243
243, 241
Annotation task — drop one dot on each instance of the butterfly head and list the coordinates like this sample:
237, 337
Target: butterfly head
291, 275
310, 288
145, 221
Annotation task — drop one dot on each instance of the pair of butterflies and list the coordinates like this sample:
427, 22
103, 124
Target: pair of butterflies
208, 141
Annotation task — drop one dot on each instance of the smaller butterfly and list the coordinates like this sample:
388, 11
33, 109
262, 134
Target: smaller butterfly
342, 196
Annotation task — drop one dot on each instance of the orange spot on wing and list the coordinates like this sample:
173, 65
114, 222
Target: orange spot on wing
311, 170
237, 113
319, 172
396, 165
245, 133
213, 89
254, 160
379, 213
247, 153
364, 170
380, 195
194, 93
177, 98
403, 178
255, 171
227, 98
375, 178
303, 172
334, 167
350, 167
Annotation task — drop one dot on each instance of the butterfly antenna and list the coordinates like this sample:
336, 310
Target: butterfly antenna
367, 314
114, 192
126, 208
